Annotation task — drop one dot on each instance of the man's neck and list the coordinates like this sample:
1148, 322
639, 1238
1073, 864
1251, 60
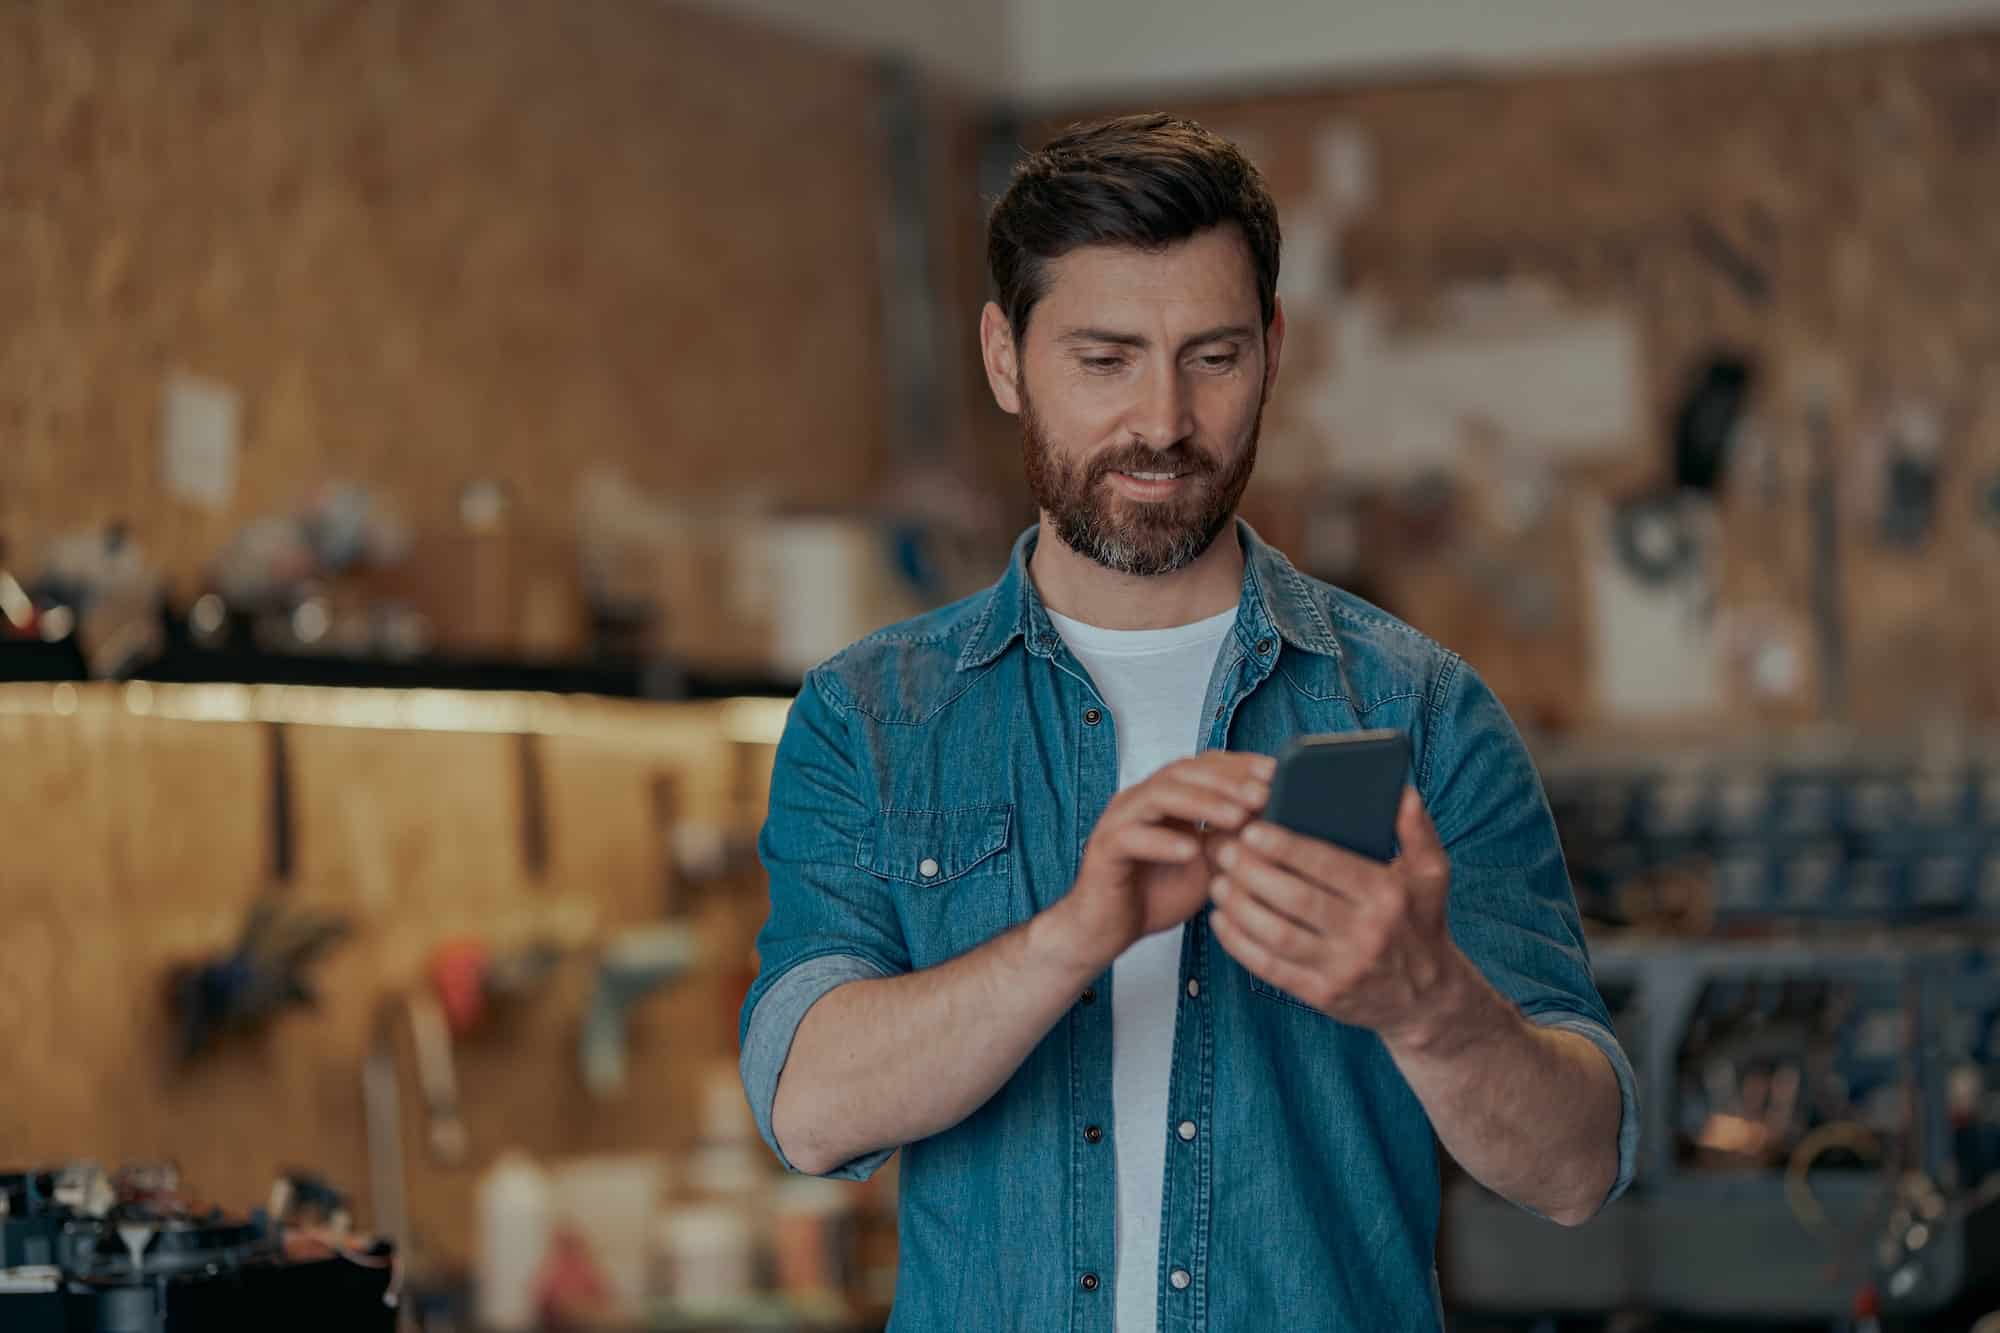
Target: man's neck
1078, 587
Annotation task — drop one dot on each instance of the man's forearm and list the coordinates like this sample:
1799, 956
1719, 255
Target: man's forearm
884, 1062
1532, 1112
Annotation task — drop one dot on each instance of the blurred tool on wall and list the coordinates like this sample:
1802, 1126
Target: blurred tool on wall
288, 584
98, 587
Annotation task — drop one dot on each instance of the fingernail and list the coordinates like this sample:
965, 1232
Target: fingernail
1218, 888
1255, 791
1260, 836
1227, 856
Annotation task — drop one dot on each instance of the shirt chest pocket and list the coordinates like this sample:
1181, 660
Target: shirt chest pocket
951, 874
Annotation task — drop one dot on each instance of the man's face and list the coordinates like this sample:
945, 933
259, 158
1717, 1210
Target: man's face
1141, 388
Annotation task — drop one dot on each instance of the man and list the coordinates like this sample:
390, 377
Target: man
1154, 1062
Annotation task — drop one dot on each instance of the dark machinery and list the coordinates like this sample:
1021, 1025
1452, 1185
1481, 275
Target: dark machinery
82, 1252
1801, 958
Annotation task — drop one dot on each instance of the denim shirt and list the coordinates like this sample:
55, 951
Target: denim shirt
935, 785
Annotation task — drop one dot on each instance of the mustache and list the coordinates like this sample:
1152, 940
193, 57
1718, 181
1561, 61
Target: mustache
1184, 459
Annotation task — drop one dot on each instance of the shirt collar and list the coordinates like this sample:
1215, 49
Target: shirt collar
1275, 598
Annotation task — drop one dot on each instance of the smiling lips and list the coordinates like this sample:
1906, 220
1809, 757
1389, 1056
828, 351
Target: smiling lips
1148, 485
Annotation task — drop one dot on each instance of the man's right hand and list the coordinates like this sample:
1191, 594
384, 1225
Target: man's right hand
1146, 867
890, 1060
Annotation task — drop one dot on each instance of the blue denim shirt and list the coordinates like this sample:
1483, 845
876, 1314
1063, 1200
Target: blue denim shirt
936, 784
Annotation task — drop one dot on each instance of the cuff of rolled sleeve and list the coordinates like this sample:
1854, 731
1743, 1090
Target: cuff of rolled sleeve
1628, 1087
767, 1044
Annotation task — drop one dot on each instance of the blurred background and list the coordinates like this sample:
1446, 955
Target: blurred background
436, 436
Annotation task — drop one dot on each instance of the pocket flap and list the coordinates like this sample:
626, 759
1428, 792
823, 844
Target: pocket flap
933, 846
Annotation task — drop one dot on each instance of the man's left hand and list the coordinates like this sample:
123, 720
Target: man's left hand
1364, 941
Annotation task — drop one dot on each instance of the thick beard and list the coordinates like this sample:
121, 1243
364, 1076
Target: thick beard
1139, 537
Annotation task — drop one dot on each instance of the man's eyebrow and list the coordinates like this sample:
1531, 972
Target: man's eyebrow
1219, 334
1078, 337
1108, 337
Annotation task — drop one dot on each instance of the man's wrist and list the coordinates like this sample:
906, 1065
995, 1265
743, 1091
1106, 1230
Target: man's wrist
1462, 1012
1057, 949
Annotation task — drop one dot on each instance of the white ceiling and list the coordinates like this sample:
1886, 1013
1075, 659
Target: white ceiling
1047, 51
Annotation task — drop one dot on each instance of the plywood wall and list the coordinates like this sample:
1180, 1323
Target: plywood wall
430, 243
1828, 209
135, 841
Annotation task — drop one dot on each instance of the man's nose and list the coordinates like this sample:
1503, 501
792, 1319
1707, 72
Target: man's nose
1164, 415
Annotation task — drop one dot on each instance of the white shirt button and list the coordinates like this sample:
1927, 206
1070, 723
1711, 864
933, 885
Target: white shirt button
1187, 1131
1194, 988
927, 868
1180, 1279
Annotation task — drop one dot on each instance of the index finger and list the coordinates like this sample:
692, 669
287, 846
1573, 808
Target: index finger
1314, 858
1240, 774
1230, 765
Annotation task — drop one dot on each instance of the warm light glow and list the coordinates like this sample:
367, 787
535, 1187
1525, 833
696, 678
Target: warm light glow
755, 721
744, 721
1735, 1134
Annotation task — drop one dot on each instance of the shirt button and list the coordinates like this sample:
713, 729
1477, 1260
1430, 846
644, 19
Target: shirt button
927, 867
1194, 988
1092, 716
1092, 1134
1186, 1131
1090, 995
1048, 642
1263, 647
1090, 1282
1180, 1279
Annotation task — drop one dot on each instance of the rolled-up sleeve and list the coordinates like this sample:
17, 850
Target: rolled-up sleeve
1511, 908
831, 922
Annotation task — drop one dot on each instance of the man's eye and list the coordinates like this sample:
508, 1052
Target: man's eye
1218, 361
1103, 362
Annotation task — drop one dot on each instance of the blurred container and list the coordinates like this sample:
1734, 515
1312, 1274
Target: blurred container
709, 1254
711, 1248
728, 1162
611, 1203
515, 1222
739, 590
812, 1241
822, 583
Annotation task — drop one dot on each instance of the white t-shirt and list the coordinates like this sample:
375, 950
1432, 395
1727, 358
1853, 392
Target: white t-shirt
1153, 681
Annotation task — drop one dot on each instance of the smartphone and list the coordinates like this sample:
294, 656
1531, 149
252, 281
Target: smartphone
1343, 788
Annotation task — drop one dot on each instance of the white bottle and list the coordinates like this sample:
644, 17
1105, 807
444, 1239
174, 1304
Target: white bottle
514, 1212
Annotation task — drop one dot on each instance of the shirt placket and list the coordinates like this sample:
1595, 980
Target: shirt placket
1092, 754
1188, 1190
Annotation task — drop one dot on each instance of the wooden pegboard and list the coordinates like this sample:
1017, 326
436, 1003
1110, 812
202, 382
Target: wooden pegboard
135, 837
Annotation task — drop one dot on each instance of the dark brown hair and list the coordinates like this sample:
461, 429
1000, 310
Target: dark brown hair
1145, 180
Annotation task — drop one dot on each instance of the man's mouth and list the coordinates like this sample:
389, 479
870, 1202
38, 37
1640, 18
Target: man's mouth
1148, 484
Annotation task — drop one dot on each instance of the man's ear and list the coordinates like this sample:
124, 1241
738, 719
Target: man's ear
1274, 341
1003, 363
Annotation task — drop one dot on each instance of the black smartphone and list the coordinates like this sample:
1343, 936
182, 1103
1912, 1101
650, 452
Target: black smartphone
1343, 788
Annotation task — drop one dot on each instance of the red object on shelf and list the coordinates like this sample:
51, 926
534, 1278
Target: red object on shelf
458, 971
571, 1289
